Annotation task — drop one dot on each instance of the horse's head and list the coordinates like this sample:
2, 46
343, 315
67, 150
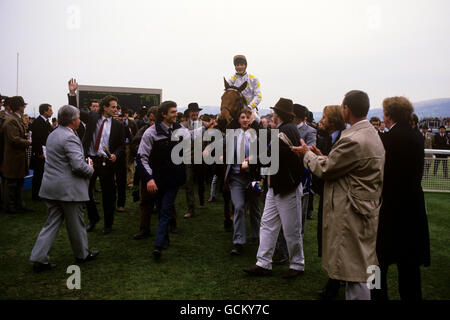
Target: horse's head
232, 102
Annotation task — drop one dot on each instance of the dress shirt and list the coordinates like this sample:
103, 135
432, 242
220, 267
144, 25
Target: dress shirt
334, 136
104, 141
246, 136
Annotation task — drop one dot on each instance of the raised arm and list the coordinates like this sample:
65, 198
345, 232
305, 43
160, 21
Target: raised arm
73, 87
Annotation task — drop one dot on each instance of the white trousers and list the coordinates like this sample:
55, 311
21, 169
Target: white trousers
281, 211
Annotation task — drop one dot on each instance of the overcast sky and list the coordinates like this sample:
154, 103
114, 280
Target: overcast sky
312, 52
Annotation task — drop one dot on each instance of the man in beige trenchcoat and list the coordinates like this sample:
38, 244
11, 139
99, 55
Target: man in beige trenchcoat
353, 175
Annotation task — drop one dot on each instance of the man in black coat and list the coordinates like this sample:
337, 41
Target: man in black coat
441, 142
40, 129
403, 237
84, 118
282, 208
102, 132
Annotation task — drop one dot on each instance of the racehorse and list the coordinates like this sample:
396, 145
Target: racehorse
232, 102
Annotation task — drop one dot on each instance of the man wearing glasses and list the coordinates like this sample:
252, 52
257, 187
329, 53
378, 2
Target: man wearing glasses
103, 142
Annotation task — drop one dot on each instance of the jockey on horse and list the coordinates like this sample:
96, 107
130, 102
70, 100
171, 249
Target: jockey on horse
252, 92
242, 90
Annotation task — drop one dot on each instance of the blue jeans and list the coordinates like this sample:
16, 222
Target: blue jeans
165, 200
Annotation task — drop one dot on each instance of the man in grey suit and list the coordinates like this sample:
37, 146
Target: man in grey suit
65, 189
307, 133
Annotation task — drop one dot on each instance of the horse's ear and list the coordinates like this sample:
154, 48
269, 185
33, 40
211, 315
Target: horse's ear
227, 85
243, 86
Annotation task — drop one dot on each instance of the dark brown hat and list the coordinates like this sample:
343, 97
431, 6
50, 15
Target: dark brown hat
285, 106
16, 102
300, 111
239, 59
193, 106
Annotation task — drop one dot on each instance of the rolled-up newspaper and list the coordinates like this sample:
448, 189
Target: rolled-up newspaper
108, 154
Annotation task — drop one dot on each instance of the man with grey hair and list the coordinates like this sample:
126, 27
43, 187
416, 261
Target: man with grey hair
65, 163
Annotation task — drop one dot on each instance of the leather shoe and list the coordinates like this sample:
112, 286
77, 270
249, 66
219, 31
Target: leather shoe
91, 226
141, 235
188, 215
120, 209
292, 273
106, 230
212, 199
326, 294
157, 254
39, 267
237, 250
91, 256
258, 271
330, 291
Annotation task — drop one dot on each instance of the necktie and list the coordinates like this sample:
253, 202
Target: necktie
99, 136
246, 146
241, 147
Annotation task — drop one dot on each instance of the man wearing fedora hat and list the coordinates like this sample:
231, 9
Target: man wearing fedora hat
194, 172
283, 201
252, 93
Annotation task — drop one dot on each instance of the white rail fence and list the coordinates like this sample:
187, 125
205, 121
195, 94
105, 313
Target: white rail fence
435, 172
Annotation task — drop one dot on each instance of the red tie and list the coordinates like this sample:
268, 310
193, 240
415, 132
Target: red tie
99, 136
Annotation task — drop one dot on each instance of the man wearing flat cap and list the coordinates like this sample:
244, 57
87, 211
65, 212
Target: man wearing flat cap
252, 93
14, 167
193, 171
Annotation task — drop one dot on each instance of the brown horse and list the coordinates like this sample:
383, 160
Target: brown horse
232, 102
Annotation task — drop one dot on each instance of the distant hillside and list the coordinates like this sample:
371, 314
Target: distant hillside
435, 108
424, 109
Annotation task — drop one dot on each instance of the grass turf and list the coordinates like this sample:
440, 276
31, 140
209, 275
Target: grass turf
198, 264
